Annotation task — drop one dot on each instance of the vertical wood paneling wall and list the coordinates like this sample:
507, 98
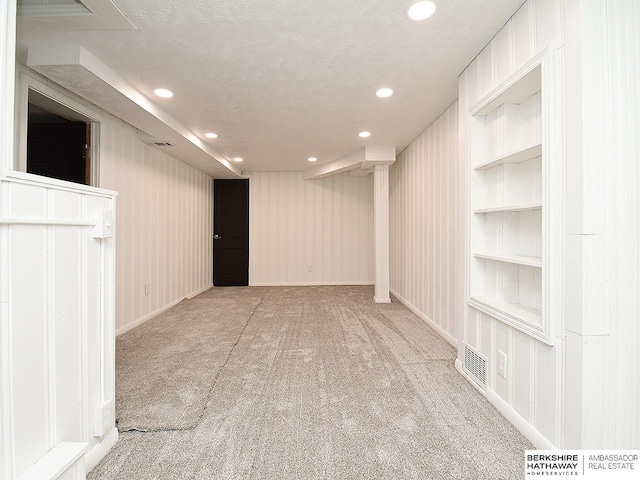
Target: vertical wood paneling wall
583, 391
57, 291
324, 224
531, 391
165, 221
622, 117
7, 80
427, 226
603, 230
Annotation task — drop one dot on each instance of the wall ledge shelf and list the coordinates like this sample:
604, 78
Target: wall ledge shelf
517, 259
510, 208
526, 319
517, 156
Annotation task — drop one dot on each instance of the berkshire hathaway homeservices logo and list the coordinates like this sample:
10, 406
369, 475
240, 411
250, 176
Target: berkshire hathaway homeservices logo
542, 464
592, 464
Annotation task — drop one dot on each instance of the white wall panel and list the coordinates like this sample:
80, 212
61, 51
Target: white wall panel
533, 369
426, 224
582, 392
324, 224
165, 218
621, 118
57, 306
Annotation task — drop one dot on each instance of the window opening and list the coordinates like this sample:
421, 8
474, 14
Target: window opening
58, 140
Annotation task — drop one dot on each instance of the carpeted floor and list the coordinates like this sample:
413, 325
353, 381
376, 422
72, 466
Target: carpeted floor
300, 383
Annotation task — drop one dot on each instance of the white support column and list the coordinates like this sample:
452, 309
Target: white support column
381, 231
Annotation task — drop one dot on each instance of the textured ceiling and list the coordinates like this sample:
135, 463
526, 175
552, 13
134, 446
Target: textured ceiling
282, 80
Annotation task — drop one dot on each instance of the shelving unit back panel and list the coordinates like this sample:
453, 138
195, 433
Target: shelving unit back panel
529, 121
522, 182
509, 276
521, 233
493, 234
511, 127
508, 184
509, 283
530, 287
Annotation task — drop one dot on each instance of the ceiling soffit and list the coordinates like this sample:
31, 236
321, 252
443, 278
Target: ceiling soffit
81, 73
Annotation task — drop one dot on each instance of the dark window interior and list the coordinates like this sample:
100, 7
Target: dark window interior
58, 147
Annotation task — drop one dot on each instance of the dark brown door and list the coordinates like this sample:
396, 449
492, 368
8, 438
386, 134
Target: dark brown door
231, 233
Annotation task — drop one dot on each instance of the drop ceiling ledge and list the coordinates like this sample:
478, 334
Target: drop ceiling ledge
77, 70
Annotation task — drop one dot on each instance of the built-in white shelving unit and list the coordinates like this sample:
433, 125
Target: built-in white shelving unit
507, 263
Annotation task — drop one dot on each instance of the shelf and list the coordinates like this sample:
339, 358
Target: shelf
517, 259
523, 84
517, 156
510, 208
527, 315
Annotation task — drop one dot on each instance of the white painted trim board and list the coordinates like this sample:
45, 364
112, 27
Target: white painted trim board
518, 421
100, 449
439, 330
55, 462
136, 323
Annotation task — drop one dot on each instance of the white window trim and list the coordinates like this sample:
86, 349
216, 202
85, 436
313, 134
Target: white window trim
26, 80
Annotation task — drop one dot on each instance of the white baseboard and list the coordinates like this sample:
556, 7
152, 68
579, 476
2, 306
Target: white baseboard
147, 317
63, 459
508, 412
198, 292
310, 284
155, 313
441, 331
382, 300
100, 449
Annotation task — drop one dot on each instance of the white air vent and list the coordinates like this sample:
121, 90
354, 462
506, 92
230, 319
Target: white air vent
151, 140
475, 364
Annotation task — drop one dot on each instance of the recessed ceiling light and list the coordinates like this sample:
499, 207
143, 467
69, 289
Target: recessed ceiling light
384, 92
312, 159
421, 10
364, 134
211, 135
238, 159
163, 92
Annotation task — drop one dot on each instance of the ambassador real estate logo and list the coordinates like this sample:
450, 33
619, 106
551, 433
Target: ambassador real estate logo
594, 464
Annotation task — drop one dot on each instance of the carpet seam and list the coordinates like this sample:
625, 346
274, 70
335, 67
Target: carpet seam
215, 380
213, 384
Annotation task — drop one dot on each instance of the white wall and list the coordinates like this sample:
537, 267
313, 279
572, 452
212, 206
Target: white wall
582, 392
603, 224
621, 118
59, 289
7, 78
56, 309
326, 223
427, 226
165, 217
531, 391
165, 213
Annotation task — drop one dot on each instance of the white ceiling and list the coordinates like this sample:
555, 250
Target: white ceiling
283, 80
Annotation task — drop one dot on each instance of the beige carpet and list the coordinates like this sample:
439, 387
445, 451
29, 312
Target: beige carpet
297, 383
166, 367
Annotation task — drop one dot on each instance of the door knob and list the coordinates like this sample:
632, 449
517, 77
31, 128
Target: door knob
216, 236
